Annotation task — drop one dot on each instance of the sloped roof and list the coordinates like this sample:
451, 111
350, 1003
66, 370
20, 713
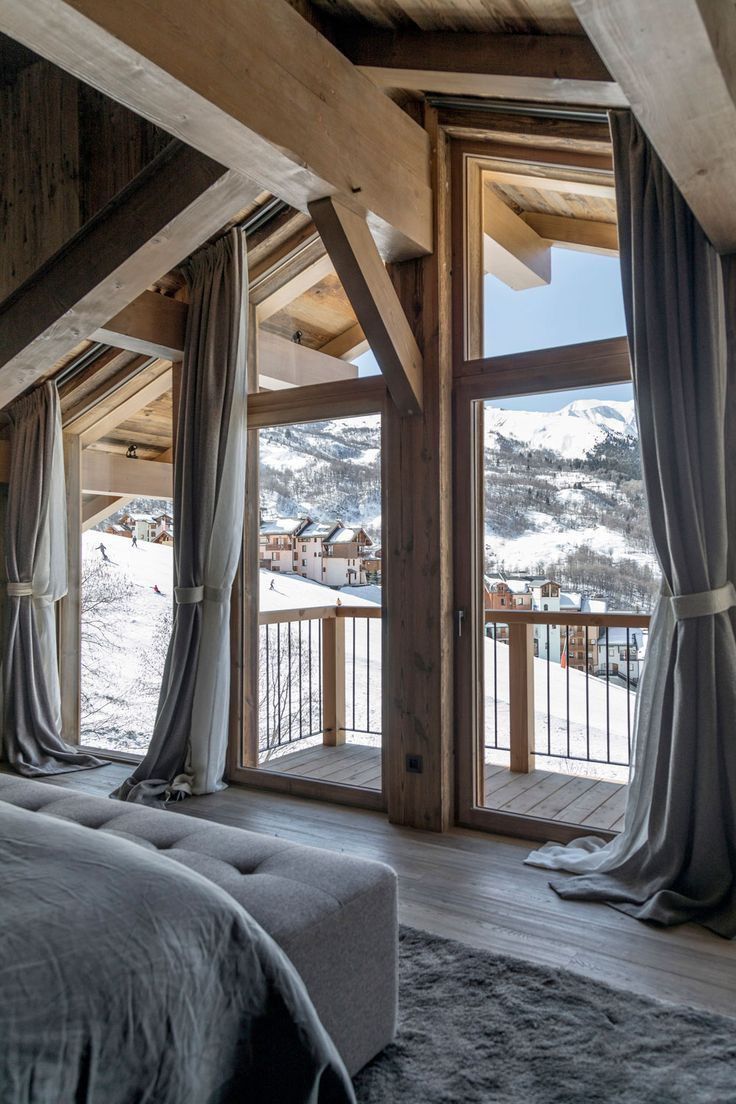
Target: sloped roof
282, 526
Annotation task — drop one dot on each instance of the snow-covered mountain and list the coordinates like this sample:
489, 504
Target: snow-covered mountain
572, 432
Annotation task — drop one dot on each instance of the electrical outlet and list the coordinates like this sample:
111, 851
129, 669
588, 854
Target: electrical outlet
414, 764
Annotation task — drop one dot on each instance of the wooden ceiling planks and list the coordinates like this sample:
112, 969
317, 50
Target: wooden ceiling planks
519, 16
320, 314
549, 202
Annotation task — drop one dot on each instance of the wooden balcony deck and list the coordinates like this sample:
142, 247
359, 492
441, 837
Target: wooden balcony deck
572, 799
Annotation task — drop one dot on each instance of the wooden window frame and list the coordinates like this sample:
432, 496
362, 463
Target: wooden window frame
292, 406
477, 379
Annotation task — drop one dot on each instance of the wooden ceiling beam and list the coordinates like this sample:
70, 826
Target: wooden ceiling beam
107, 473
674, 60
585, 235
512, 250
474, 120
555, 182
344, 399
283, 363
179, 200
144, 387
372, 296
152, 324
558, 68
254, 86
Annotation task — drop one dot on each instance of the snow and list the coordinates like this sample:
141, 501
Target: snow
281, 526
292, 592
122, 665
572, 432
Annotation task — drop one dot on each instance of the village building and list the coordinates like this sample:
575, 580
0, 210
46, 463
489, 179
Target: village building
326, 552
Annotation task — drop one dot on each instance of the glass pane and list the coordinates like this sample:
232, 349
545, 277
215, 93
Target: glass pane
582, 302
127, 604
566, 544
320, 550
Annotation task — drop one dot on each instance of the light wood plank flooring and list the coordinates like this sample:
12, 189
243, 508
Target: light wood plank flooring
571, 799
474, 887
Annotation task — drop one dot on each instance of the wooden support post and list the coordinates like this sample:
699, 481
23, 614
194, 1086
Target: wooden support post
418, 592
70, 607
521, 695
333, 681
243, 740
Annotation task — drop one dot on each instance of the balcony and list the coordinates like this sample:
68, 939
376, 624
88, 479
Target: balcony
556, 730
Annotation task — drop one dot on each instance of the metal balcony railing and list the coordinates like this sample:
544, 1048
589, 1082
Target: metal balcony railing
562, 685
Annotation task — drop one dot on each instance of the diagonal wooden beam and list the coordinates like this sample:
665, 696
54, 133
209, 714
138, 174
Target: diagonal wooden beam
141, 389
674, 60
560, 68
373, 298
512, 250
254, 86
175, 204
101, 506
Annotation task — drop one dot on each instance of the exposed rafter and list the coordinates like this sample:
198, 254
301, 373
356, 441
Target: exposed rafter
256, 88
512, 250
170, 208
107, 473
674, 60
585, 235
559, 68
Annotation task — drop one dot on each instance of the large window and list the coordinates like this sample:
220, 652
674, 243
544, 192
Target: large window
320, 600
556, 575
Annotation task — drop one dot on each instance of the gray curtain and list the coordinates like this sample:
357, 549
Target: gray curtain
36, 572
676, 857
189, 744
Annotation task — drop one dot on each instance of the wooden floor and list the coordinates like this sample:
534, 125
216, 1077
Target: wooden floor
548, 794
474, 887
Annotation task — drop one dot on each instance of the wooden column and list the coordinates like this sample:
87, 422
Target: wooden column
244, 628
333, 681
521, 695
70, 607
418, 643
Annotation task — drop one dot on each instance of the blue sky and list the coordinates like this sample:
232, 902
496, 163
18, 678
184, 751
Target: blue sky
583, 302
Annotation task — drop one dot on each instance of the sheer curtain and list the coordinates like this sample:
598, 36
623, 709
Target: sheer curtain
676, 857
36, 568
189, 743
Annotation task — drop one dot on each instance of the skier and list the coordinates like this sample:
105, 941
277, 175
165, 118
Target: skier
273, 585
135, 541
156, 590
101, 548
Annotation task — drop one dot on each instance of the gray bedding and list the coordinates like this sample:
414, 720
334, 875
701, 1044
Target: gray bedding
126, 978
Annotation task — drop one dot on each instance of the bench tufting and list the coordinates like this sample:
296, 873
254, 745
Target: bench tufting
335, 916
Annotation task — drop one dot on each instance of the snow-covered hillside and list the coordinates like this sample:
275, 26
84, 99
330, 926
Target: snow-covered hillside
572, 432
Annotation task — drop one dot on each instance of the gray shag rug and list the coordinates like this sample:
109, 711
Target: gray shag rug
478, 1027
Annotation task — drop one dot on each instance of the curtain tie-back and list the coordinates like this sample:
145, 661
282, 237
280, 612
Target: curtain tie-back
20, 590
705, 604
186, 596
25, 590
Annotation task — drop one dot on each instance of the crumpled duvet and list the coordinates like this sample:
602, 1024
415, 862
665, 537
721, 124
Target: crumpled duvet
128, 979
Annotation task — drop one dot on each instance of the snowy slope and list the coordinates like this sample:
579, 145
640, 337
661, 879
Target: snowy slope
572, 432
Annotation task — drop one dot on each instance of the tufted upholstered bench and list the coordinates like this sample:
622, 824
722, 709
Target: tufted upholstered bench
334, 916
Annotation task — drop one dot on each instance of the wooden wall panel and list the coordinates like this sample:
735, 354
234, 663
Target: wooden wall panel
65, 151
39, 201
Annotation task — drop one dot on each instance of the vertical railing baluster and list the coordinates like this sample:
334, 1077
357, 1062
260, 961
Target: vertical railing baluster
320, 714
367, 673
549, 711
495, 683
587, 695
567, 683
608, 721
628, 695
268, 692
301, 693
354, 666
278, 676
289, 676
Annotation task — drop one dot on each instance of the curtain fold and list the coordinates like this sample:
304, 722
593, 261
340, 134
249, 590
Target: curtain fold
36, 568
189, 743
675, 859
